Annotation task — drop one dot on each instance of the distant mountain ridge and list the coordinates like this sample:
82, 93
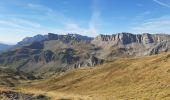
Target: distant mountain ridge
127, 38
134, 44
52, 36
35, 38
4, 47
58, 53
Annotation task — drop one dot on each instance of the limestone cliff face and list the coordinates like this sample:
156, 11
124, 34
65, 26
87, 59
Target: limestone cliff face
127, 38
134, 44
51, 36
59, 53
69, 37
29, 40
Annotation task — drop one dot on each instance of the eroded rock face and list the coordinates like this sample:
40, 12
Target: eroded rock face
134, 44
28, 40
9, 95
127, 38
45, 56
160, 47
35, 45
52, 36
92, 61
69, 37
95, 61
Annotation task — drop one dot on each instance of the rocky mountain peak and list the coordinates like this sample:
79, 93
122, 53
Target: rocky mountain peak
68, 37
128, 38
28, 40
51, 36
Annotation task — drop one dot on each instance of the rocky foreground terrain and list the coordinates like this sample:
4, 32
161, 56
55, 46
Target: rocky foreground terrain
9, 95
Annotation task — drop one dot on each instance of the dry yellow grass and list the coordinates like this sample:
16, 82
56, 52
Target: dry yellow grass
146, 78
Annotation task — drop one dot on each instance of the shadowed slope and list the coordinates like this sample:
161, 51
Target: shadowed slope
11, 78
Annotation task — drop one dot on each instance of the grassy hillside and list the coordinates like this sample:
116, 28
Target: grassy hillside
144, 78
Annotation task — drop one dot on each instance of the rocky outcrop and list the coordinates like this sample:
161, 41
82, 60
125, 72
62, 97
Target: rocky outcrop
35, 45
134, 44
160, 47
28, 40
10, 95
44, 56
128, 38
92, 61
69, 37
33, 57
51, 36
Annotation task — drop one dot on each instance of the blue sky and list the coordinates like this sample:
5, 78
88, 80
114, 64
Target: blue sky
22, 18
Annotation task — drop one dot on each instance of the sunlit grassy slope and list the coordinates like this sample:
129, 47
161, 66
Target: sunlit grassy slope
146, 78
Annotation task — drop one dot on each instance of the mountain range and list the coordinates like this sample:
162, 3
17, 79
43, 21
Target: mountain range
76, 67
53, 53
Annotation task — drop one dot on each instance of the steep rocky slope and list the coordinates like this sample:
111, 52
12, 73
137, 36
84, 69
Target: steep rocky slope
29, 40
52, 36
128, 44
54, 53
10, 95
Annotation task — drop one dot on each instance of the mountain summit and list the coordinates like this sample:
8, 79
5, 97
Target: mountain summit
134, 44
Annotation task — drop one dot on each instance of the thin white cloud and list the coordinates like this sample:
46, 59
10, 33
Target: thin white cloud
140, 17
20, 26
162, 3
18, 23
143, 14
70, 25
156, 25
95, 20
57, 17
26, 22
9, 24
48, 13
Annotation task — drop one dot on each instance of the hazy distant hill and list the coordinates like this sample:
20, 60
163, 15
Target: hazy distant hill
29, 40
4, 46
